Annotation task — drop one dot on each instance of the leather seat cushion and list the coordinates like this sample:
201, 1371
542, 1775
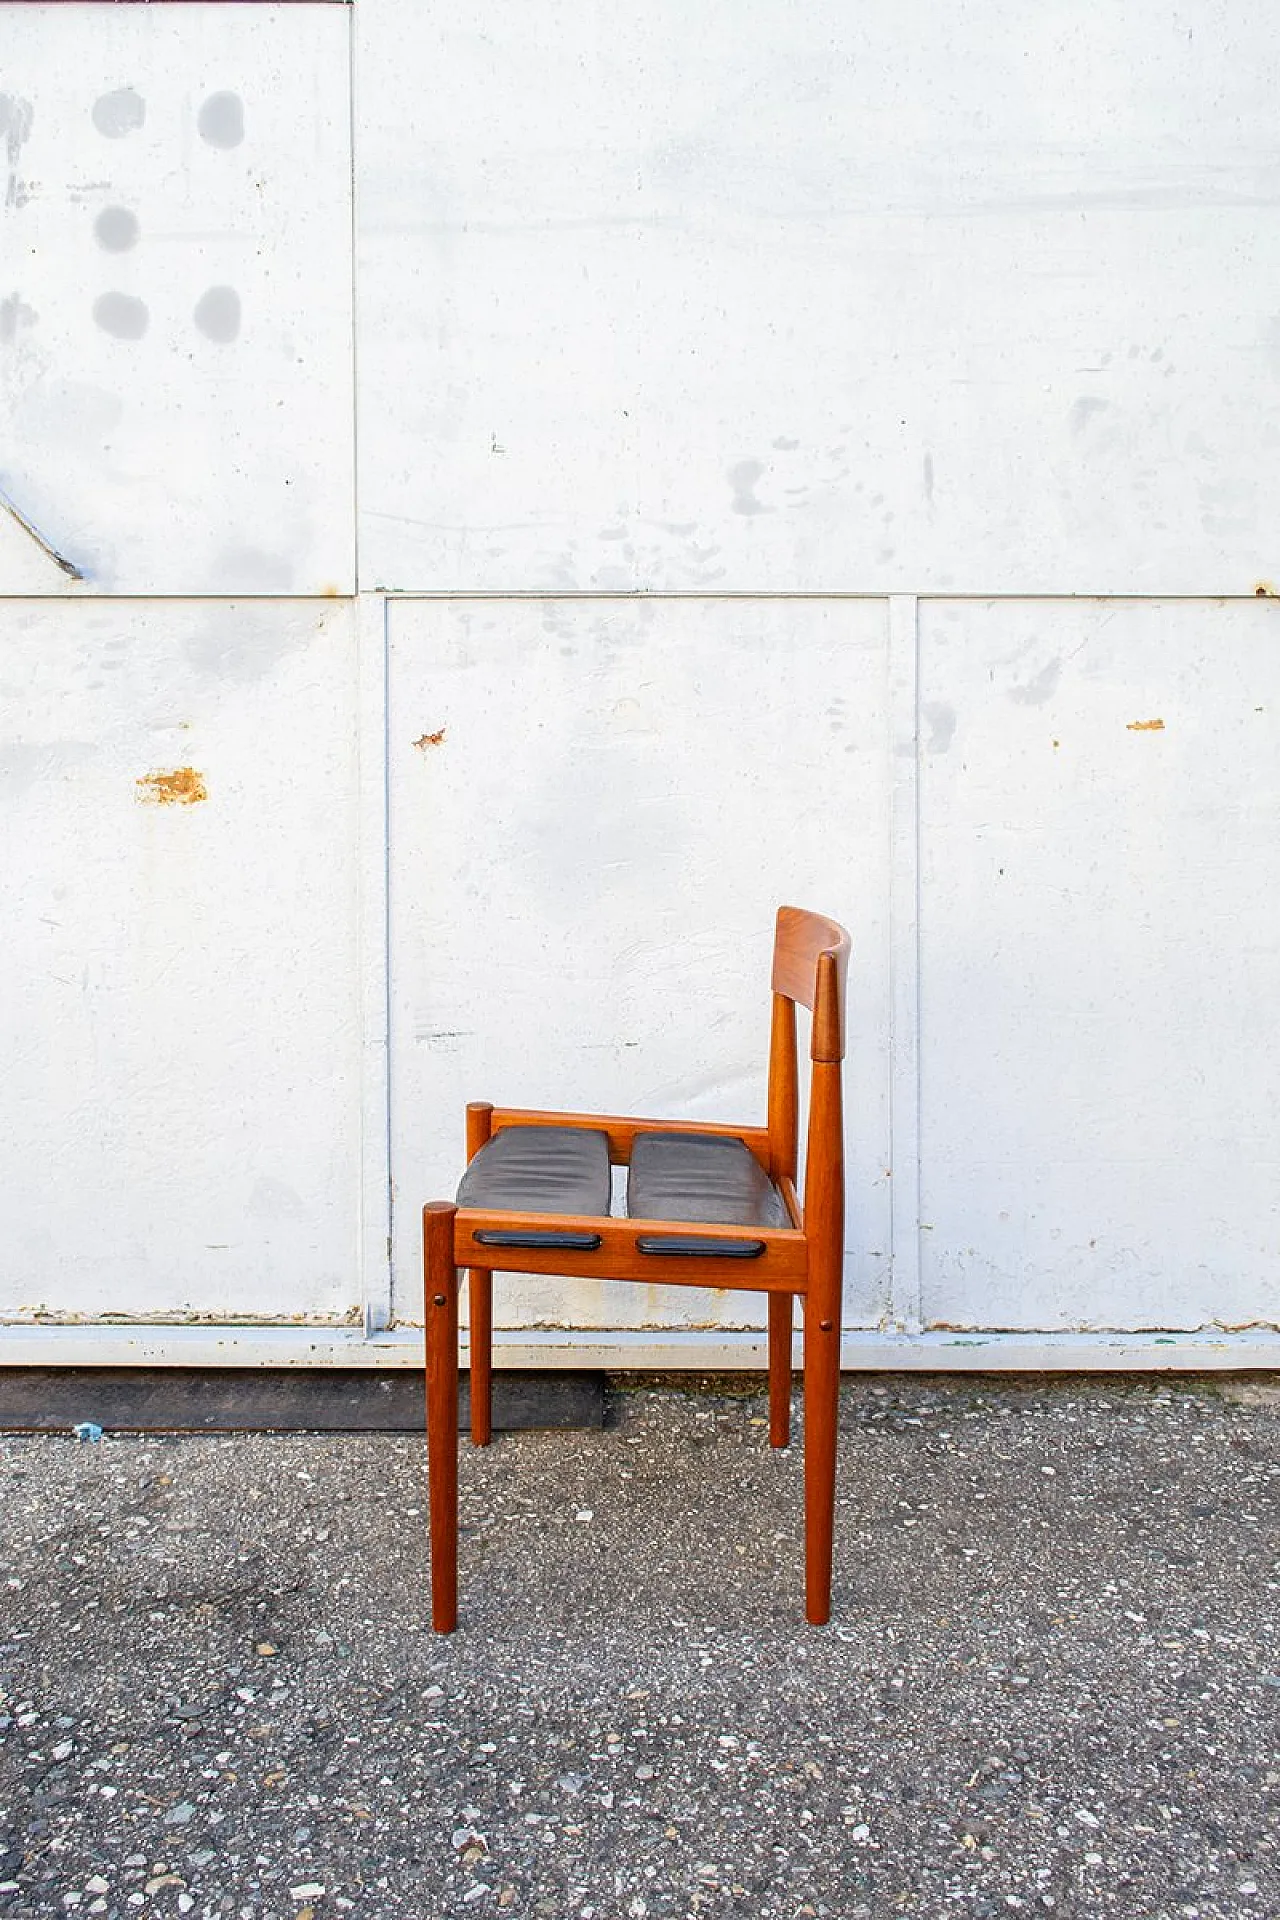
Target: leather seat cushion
701, 1176
540, 1170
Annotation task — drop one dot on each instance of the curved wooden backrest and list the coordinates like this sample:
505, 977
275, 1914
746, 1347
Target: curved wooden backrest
811, 965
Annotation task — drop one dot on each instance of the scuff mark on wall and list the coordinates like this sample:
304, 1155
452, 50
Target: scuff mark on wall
217, 314
116, 230
15, 313
15, 125
221, 120
1035, 692
744, 479
119, 113
1084, 410
121, 315
68, 567
181, 787
16, 120
942, 725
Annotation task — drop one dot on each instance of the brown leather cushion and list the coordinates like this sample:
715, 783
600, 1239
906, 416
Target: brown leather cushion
540, 1170
701, 1176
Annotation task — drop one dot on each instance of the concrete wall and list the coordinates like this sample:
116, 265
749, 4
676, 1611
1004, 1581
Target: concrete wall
497, 500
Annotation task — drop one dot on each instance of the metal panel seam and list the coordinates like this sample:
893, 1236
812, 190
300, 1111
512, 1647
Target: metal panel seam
904, 963
355, 311
375, 974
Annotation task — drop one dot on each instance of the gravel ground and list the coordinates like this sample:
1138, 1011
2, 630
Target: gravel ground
1051, 1685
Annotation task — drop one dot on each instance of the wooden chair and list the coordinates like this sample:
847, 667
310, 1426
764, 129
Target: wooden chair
707, 1206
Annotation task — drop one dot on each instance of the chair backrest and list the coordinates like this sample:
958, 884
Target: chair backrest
810, 967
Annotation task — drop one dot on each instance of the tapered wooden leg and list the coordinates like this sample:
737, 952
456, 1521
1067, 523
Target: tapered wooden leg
441, 1315
821, 1401
824, 1229
781, 1315
480, 1306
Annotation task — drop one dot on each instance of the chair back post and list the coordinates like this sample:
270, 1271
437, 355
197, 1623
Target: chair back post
824, 1152
784, 1090
824, 1235
810, 965
479, 1125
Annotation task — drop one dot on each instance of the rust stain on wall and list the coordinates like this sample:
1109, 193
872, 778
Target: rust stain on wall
1265, 591
431, 739
1146, 726
182, 787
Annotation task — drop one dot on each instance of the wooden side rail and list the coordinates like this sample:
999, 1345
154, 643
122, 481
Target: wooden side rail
622, 1129
782, 1266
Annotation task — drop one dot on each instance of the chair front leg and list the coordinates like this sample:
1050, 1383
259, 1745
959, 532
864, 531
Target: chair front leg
821, 1409
441, 1317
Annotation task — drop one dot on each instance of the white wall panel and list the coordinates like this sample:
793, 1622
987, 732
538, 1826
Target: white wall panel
1100, 958
175, 298
595, 810
178, 976
976, 304
876, 298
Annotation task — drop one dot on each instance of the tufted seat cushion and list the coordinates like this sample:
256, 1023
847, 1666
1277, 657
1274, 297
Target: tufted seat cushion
704, 1177
540, 1170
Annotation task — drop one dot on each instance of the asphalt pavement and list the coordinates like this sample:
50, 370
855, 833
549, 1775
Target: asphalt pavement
1051, 1684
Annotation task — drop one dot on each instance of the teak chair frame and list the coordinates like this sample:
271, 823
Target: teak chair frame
803, 1260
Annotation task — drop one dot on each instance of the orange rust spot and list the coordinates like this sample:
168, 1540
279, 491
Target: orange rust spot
330, 592
431, 739
1265, 591
1146, 726
183, 787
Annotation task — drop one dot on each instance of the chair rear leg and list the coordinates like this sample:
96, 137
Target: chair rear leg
441, 1316
480, 1303
480, 1299
781, 1316
821, 1403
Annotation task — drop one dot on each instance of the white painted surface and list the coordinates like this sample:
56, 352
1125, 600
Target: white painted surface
584, 874
178, 987
1100, 956
580, 898
888, 298
708, 301
175, 298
